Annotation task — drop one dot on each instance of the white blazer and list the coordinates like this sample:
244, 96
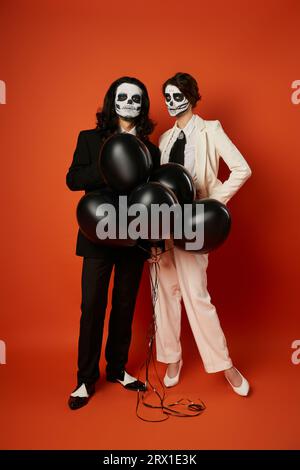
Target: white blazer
211, 144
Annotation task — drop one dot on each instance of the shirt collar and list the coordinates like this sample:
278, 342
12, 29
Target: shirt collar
188, 127
132, 131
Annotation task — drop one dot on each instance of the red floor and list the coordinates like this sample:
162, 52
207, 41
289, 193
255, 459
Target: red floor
35, 384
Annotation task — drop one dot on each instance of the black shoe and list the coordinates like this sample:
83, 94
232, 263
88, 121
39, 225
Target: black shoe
78, 402
127, 381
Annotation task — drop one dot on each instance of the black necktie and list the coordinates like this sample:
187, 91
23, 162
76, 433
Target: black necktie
177, 151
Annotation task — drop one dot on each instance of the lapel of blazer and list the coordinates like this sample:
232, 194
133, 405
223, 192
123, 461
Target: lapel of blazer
200, 152
164, 143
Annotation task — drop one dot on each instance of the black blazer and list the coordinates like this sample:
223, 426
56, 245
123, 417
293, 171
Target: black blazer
83, 175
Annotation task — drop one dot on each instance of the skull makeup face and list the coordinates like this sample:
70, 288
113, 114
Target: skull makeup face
128, 100
175, 100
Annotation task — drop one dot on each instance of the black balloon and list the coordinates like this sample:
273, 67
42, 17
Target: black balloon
88, 219
148, 195
175, 177
216, 221
124, 162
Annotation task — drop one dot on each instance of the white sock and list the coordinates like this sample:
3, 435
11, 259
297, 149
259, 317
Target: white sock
80, 392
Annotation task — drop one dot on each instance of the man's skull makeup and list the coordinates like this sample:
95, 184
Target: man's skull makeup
175, 100
128, 100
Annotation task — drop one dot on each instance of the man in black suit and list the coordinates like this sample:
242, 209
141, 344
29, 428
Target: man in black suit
125, 109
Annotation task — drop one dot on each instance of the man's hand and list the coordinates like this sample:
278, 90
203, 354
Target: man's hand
156, 253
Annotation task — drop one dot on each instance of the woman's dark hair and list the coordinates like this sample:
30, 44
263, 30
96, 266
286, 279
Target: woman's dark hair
107, 118
186, 84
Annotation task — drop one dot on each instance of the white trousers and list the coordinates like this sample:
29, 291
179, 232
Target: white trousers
182, 276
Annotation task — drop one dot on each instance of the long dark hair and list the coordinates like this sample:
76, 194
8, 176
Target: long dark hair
107, 118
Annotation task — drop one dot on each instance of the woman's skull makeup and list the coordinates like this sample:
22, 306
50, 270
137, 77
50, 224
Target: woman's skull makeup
175, 100
128, 100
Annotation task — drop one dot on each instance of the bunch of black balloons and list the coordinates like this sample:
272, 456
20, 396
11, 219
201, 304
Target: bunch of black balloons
127, 169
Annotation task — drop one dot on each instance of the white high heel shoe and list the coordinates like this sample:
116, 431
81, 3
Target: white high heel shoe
242, 389
171, 381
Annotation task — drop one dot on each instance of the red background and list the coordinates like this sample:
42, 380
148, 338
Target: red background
58, 59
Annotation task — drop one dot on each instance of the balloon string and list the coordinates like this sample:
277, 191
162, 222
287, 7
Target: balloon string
150, 252
188, 407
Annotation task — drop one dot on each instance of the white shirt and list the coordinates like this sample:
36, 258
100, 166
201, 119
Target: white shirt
190, 146
132, 130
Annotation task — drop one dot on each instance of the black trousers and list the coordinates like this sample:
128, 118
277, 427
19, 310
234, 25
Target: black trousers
96, 273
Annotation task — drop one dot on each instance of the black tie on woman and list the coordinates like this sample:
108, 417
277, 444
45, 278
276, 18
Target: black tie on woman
177, 151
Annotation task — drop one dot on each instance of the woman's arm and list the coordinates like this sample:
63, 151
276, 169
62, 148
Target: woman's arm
239, 168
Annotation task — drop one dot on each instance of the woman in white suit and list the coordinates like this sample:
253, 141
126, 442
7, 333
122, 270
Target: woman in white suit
197, 144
